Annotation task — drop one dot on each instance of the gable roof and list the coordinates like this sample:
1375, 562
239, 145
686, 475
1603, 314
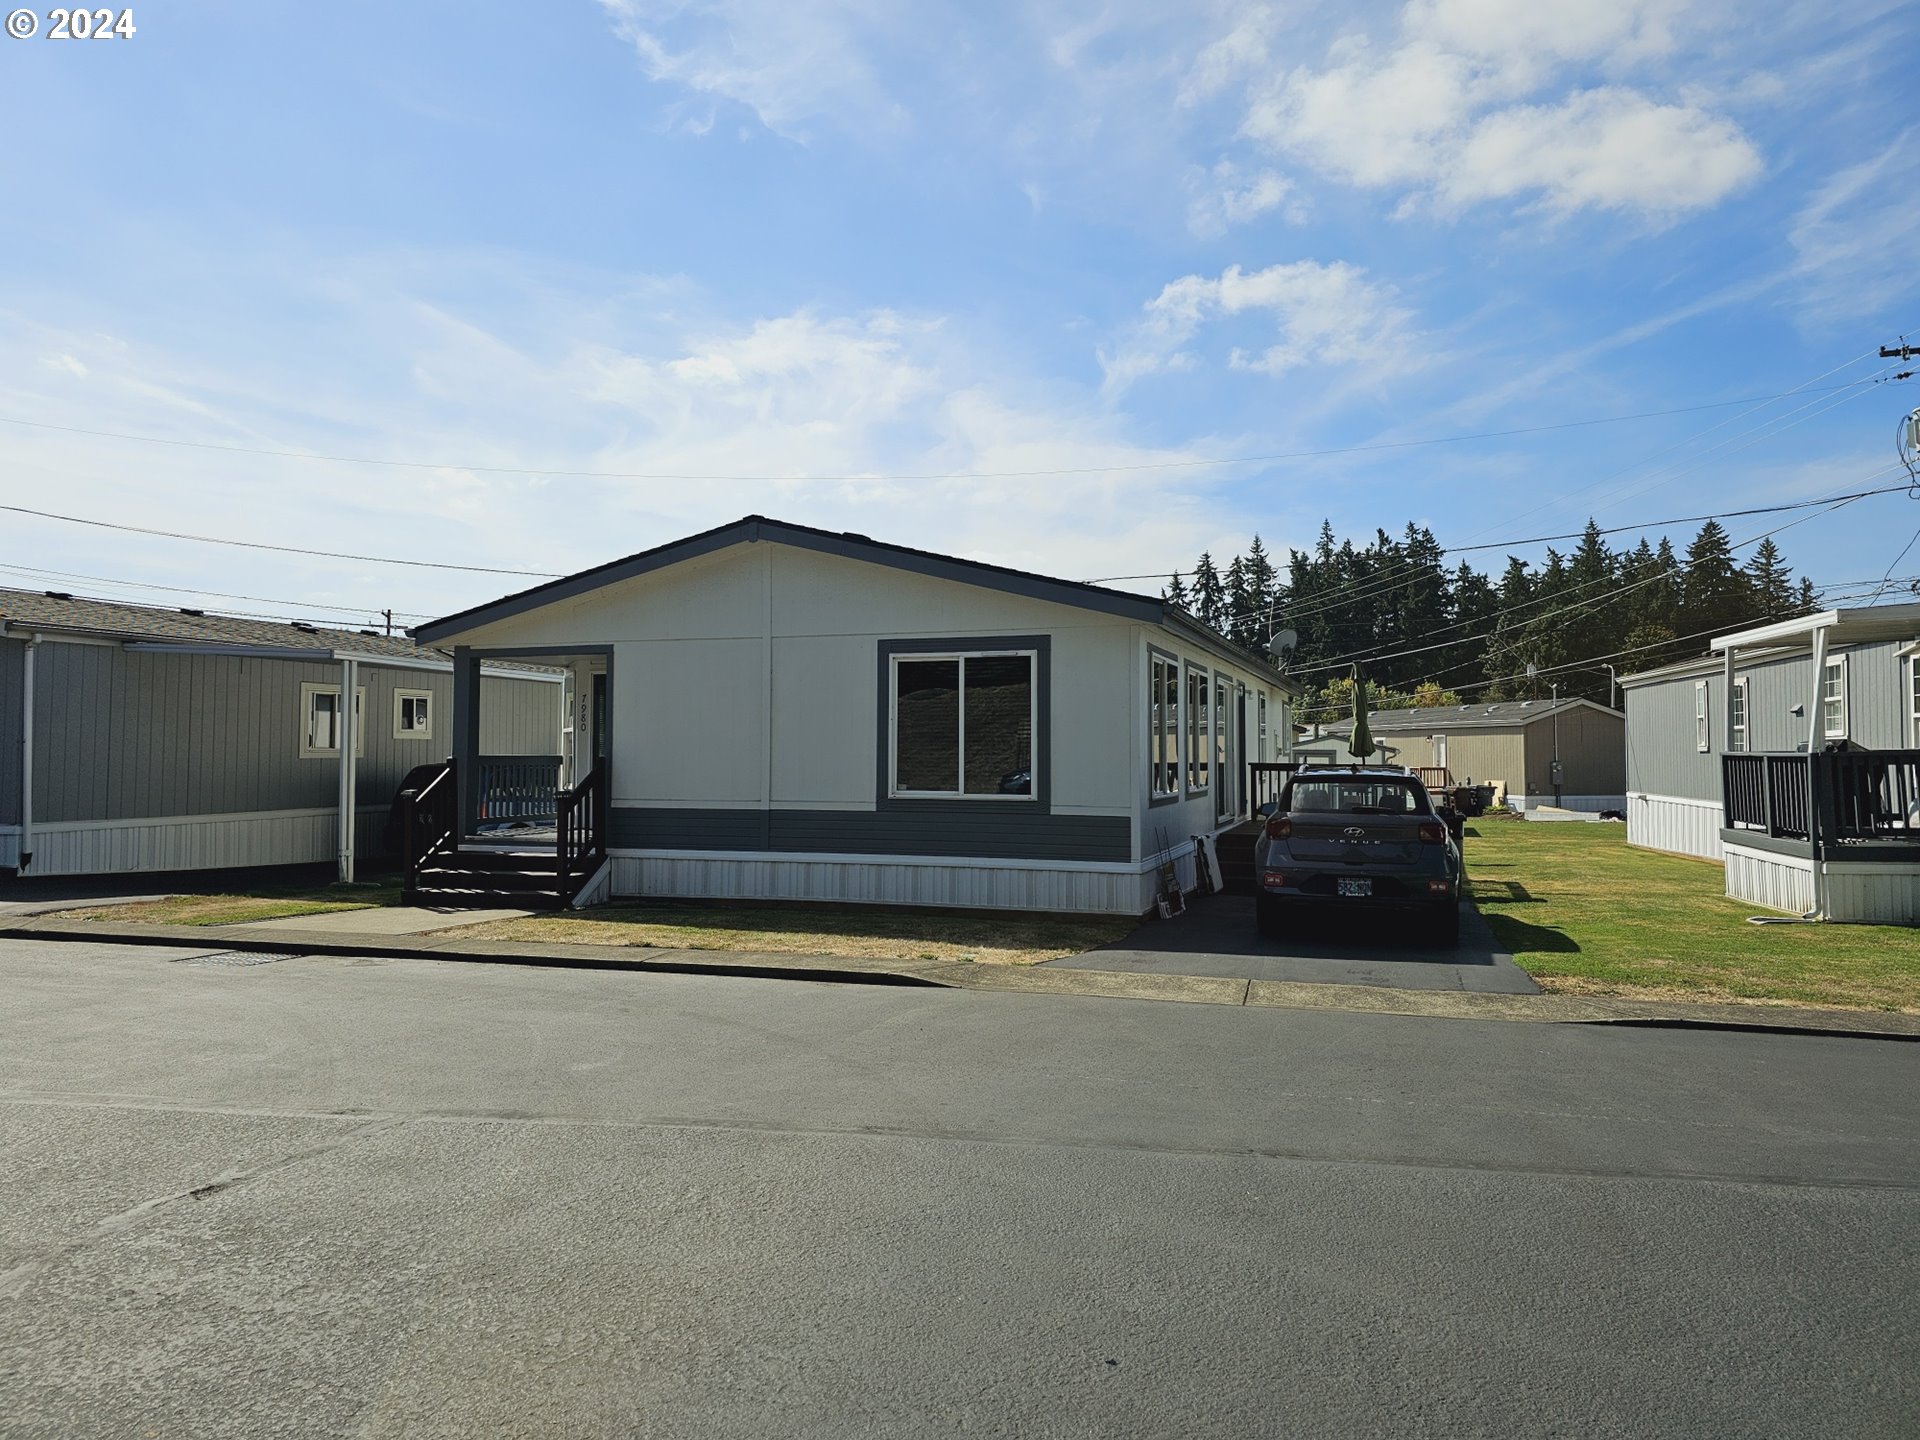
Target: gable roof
849, 545
56, 610
1452, 719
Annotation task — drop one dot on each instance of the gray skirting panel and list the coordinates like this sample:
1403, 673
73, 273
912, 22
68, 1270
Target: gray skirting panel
983, 831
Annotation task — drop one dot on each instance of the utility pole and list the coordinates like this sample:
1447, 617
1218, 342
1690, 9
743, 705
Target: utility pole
389, 618
1902, 351
1556, 743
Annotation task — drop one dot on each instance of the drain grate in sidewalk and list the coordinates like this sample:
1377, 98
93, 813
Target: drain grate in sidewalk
242, 957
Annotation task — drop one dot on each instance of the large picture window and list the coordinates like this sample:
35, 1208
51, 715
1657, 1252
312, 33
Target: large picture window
1163, 727
1199, 732
963, 725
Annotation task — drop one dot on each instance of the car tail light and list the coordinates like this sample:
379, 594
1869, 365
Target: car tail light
1432, 832
1439, 887
1273, 877
1279, 828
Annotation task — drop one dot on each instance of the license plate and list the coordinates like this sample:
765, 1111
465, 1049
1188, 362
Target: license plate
1356, 887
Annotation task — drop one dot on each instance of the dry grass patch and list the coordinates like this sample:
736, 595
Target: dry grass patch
241, 909
805, 930
1584, 914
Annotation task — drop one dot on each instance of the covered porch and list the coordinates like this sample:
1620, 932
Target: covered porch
1829, 830
530, 830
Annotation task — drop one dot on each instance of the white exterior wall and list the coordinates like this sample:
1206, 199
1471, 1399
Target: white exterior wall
748, 680
1779, 882
190, 842
1675, 823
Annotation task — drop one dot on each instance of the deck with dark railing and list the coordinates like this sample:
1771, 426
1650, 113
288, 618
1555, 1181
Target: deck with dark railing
1831, 799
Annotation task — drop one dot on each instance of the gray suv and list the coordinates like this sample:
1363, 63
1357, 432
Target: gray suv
1358, 837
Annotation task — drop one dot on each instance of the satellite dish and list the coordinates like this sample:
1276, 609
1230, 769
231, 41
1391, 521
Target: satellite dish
1283, 644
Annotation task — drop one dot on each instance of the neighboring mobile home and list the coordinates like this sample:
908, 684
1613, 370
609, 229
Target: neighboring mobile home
1719, 763
1568, 753
784, 712
139, 738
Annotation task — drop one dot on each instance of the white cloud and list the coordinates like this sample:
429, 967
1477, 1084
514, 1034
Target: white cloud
1226, 196
1853, 240
1473, 100
1606, 150
790, 64
1325, 314
872, 420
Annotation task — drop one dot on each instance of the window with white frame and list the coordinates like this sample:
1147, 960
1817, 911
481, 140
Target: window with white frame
1163, 738
1260, 712
1222, 761
413, 714
1737, 715
1833, 698
1199, 732
1913, 700
1702, 724
320, 721
963, 725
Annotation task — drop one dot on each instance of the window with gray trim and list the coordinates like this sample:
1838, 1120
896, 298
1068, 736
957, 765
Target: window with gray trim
962, 725
1199, 731
1163, 727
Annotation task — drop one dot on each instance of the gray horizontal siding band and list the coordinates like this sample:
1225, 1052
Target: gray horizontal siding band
935, 832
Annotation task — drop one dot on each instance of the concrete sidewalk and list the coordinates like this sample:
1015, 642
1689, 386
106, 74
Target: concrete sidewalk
277, 937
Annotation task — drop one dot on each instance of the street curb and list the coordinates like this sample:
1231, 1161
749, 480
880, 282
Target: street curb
1545, 1008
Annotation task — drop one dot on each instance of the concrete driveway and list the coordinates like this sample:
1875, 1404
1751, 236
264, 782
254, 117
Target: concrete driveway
1216, 937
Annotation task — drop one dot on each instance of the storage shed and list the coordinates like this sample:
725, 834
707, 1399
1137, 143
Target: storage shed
1514, 744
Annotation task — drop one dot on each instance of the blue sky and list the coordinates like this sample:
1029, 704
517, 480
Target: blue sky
799, 258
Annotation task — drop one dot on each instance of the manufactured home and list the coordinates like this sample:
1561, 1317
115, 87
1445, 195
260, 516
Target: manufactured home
779, 712
1791, 755
1566, 753
134, 737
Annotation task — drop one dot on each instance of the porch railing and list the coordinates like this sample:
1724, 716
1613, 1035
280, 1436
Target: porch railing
1868, 794
581, 821
429, 818
1854, 795
1266, 779
517, 787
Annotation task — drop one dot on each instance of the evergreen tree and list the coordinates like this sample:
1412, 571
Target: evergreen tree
1713, 594
1209, 595
1769, 582
1176, 593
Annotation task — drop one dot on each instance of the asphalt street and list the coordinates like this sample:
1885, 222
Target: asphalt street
362, 1197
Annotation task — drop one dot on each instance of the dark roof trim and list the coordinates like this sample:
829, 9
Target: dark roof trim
846, 545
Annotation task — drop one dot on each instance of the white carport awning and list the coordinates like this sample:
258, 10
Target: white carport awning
1842, 627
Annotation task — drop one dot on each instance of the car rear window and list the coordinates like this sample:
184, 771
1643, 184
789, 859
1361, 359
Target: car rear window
1354, 797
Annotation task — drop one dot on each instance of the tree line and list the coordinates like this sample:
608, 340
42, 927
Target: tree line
1424, 632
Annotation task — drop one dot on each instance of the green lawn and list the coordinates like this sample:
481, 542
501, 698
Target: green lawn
1582, 912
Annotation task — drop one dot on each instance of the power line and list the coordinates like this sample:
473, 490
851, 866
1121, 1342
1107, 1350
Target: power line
1582, 534
946, 475
34, 570
1337, 661
282, 549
